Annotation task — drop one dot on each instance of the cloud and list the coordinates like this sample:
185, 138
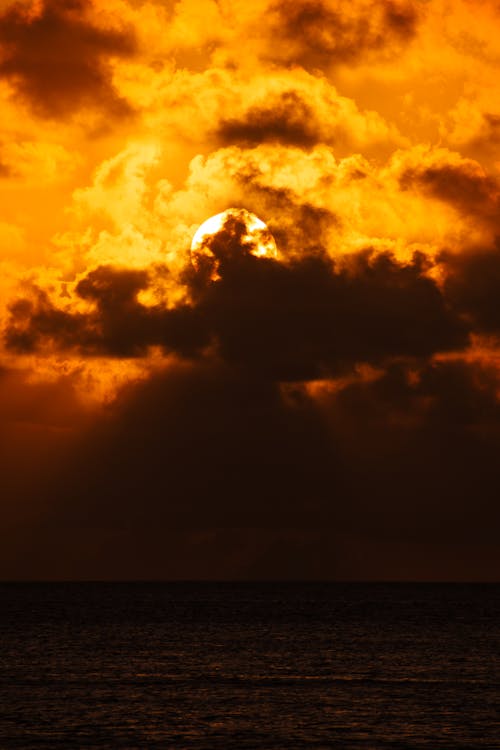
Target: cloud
473, 287
119, 325
298, 109
286, 321
217, 442
193, 453
38, 424
59, 59
320, 34
287, 120
226, 105
311, 316
474, 126
463, 183
38, 319
390, 458
36, 161
420, 444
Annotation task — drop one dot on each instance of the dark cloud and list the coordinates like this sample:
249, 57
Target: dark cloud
286, 119
313, 317
473, 287
232, 436
198, 446
319, 34
286, 321
119, 326
58, 59
123, 327
421, 449
405, 459
35, 320
464, 185
472, 279
38, 424
157, 483
302, 226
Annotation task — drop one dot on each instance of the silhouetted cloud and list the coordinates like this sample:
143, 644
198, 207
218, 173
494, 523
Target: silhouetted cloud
120, 326
58, 59
285, 321
217, 443
38, 424
313, 316
418, 446
473, 287
198, 446
408, 455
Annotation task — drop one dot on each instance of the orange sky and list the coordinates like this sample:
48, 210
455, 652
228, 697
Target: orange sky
366, 135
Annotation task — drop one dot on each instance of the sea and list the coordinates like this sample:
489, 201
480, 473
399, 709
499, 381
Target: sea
249, 665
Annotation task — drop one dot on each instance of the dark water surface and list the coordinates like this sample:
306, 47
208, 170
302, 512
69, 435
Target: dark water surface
199, 665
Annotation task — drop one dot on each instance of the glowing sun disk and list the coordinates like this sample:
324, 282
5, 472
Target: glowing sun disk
257, 238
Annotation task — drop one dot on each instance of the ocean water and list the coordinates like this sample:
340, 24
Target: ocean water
249, 665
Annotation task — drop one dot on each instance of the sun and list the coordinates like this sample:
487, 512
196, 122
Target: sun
253, 235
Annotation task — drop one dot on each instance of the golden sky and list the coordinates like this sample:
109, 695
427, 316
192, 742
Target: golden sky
350, 385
